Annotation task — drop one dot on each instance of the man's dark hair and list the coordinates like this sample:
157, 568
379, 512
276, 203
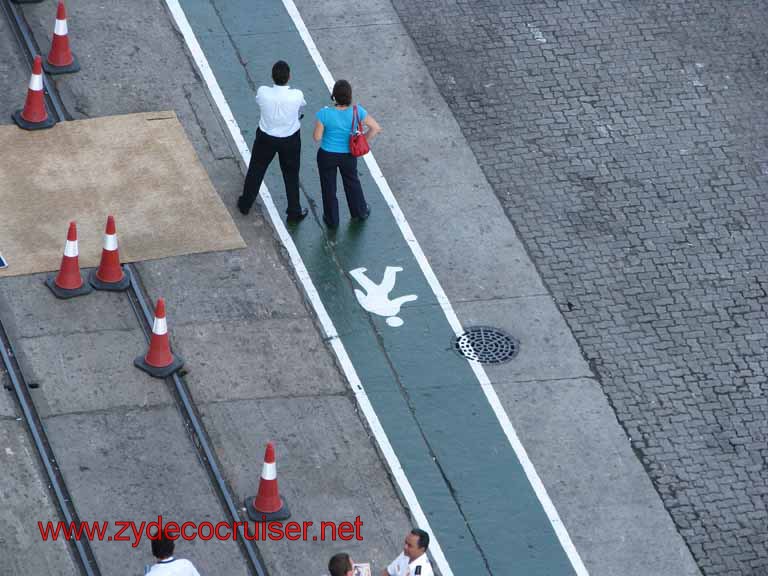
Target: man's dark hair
342, 93
339, 564
281, 72
423, 538
162, 547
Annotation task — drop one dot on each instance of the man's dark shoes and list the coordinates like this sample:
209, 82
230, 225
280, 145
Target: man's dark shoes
243, 209
295, 219
365, 214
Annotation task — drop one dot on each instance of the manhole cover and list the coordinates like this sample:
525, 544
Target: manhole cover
486, 345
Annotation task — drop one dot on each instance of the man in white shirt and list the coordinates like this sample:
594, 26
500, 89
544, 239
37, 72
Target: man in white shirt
167, 564
413, 560
278, 133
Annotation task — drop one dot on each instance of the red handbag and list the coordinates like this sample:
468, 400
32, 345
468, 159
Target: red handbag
358, 145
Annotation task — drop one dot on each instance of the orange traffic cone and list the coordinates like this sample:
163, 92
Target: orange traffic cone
60, 59
159, 361
68, 283
34, 116
267, 505
110, 275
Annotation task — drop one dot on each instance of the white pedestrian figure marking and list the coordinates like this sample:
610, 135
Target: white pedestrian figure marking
376, 300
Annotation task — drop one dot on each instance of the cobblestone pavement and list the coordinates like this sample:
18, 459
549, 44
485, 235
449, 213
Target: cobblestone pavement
628, 143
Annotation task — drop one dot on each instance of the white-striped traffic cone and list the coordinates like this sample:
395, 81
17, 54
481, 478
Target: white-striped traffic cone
60, 59
34, 116
68, 283
110, 275
159, 361
267, 505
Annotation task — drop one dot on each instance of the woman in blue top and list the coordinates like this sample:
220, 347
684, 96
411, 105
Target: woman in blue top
332, 130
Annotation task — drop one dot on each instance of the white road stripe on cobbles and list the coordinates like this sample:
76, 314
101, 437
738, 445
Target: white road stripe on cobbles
309, 288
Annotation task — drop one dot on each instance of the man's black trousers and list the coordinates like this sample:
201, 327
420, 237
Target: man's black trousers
263, 152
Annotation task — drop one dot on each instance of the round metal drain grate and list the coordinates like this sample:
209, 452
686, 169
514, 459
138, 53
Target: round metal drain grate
486, 345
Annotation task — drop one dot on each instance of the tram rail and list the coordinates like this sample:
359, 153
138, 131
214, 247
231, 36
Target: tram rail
30, 415
30, 48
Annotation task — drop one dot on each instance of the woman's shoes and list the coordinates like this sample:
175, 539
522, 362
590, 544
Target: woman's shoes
363, 217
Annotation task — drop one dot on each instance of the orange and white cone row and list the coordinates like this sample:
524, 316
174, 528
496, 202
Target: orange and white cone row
110, 275
159, 361
34, 116
68, 283
60, 59
267, 505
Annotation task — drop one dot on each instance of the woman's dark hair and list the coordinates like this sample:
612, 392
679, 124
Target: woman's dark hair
339, 564
342, 93
162, 547
281, 72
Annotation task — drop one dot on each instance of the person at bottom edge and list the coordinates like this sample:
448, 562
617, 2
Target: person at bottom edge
167, 564
278, 133
340, 565
413, 560
333, 129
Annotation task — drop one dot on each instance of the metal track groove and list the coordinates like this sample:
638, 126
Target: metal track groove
27, 43
36, 428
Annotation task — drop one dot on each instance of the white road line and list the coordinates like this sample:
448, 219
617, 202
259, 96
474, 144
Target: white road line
309, 288
490, 393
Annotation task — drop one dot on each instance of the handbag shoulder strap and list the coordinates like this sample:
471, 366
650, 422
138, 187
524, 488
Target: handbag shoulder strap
356, 124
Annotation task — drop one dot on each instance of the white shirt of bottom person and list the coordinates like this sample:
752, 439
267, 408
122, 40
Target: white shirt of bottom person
402, 566
173, 567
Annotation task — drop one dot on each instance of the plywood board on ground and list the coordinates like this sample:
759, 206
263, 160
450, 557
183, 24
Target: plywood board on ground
139, 167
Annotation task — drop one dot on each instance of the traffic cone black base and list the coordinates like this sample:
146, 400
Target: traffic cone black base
163, 371
111, 286
65, 293
68, 69
283, 514
47, 123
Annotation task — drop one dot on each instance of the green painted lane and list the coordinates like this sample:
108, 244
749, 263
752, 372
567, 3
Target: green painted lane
461, 466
